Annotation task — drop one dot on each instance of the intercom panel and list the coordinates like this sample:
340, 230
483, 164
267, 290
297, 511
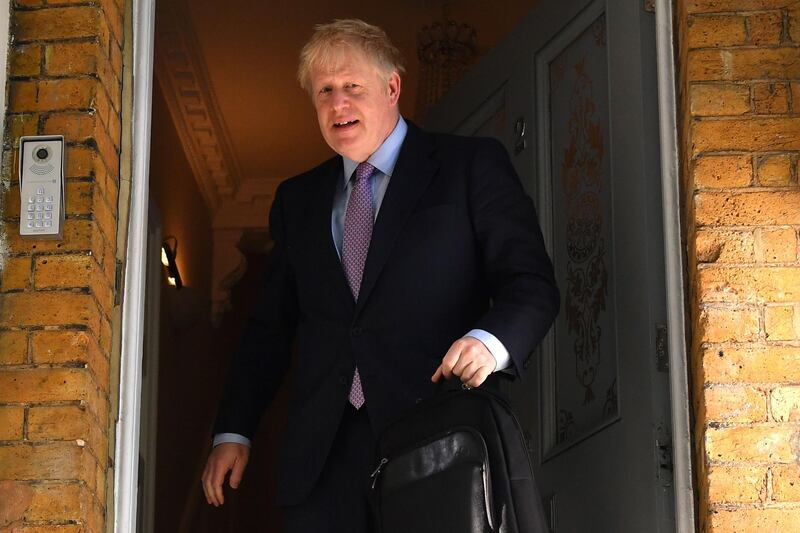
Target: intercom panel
41, 186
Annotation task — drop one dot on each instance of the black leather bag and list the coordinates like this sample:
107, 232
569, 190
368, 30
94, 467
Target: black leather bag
456, 463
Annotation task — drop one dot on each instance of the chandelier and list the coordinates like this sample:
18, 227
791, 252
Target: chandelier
445, 50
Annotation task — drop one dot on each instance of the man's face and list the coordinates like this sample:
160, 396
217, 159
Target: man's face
356, 108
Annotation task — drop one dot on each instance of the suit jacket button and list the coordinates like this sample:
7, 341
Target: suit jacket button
356, 331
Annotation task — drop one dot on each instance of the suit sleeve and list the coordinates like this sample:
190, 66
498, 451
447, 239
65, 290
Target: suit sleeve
264, 351
525, 299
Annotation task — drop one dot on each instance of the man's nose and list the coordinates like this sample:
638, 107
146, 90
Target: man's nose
339, 100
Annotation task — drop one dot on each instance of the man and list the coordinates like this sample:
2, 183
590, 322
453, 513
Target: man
408, 258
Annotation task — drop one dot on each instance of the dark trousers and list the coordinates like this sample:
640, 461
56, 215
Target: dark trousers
338, 502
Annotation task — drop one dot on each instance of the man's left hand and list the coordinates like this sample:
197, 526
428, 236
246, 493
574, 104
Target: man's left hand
469, 359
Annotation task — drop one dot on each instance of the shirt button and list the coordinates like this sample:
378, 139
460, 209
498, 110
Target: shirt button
356, 331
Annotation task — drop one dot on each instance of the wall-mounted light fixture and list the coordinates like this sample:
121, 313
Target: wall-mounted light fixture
168, 254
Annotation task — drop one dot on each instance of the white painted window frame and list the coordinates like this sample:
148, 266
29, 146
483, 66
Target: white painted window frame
127, 450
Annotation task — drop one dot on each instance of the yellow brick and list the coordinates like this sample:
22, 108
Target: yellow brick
63, 271
735, 404
751, 364
725, 324
49, 308
58, 528
56, 24
18, 125
64, 59
55, 461
724, 246
748, 444
11, 419
53, 95
774, 170
70, 346
786, 483
81, 161
779, 323
80, 197
751, 520
54, 384
713, 31
778, 245
54, 501
75, 126
60, 422
748, 208
794, 22
737, 484
743, 64
757, 134
770, 98
25, 60
723, 171
795, 96
13, 347
765, 28
785, 403
66, 422
11, 201
16, 274
749, 285
718, 99
721, 6
44, 384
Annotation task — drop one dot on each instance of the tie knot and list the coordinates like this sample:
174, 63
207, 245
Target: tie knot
364, 170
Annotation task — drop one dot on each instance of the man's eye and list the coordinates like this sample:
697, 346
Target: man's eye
325, 90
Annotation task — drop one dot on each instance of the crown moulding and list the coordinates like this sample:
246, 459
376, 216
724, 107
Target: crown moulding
236, 206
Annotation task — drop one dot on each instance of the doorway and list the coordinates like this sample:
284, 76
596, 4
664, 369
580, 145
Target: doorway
566, 17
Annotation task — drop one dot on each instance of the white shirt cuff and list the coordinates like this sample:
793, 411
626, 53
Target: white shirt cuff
494, 346
221, 438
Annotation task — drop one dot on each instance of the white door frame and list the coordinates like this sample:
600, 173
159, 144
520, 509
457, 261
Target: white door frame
5, 15
674, 261
126, 460
133, 317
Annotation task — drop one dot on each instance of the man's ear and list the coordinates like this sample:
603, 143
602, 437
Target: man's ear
394, 87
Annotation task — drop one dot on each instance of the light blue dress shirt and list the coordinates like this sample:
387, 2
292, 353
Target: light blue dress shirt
384, 160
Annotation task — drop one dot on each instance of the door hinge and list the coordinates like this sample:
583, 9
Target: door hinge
663, 452
650, 6
662, 348
119, 269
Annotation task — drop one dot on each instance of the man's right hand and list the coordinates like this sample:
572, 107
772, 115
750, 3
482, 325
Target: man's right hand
225, 457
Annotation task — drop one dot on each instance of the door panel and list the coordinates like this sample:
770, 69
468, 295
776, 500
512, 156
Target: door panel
570, 93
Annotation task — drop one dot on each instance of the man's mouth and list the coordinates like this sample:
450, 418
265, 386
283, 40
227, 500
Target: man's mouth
345, 124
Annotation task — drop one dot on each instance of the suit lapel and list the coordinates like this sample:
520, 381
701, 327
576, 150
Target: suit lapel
320, 228
412, 173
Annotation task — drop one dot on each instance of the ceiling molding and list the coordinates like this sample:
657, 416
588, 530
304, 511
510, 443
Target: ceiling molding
182, 75
236, 206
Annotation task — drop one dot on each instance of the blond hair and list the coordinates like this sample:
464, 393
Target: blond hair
325, 46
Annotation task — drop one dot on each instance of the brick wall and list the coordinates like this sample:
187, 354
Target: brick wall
56, 297
739, 88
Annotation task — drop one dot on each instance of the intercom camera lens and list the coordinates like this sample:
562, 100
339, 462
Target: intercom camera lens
42, 153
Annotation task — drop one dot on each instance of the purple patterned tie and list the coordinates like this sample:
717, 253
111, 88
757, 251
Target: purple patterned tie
357, 233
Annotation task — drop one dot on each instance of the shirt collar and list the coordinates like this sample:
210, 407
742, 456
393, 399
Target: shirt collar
385, 157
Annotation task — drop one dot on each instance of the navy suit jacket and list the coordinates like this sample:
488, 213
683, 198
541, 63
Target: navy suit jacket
456, 245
